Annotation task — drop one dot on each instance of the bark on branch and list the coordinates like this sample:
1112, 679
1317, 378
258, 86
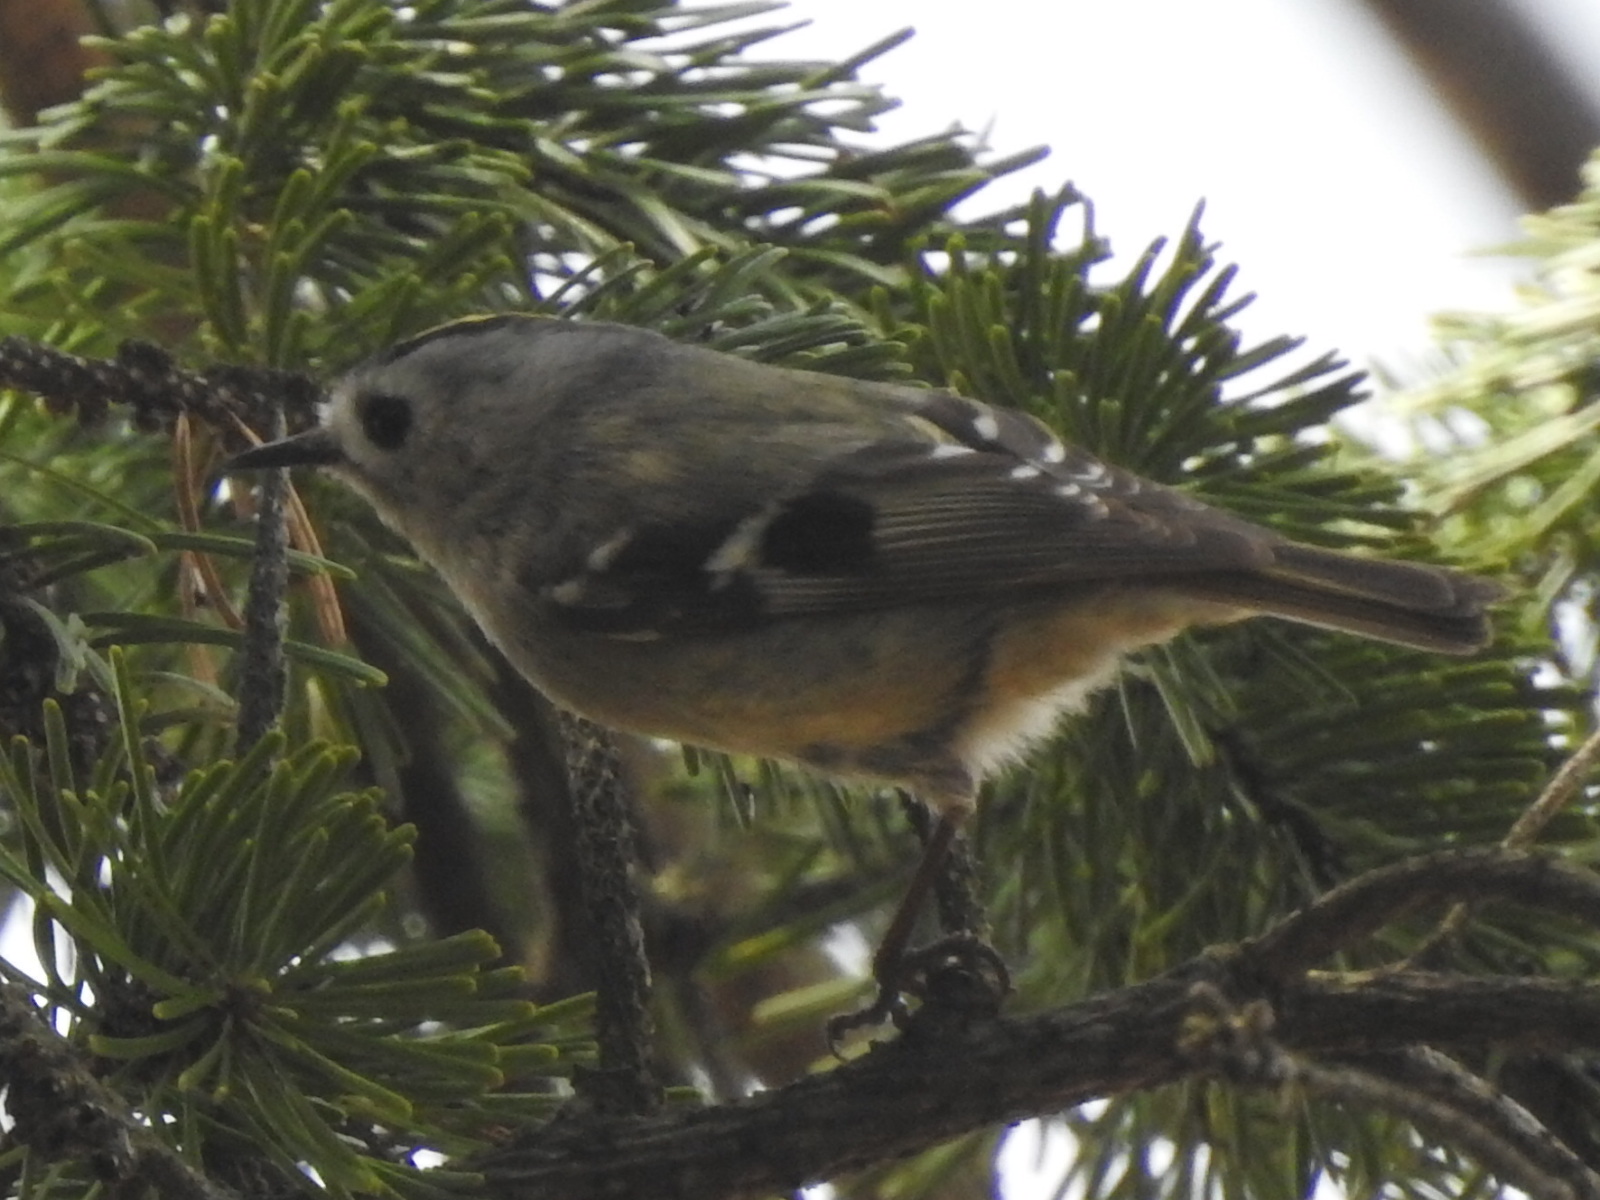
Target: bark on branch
918, 1091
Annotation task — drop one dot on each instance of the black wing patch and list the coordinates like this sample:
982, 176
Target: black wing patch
821, 532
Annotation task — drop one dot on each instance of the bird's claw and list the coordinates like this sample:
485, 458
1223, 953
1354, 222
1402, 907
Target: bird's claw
959, 971
888, 1005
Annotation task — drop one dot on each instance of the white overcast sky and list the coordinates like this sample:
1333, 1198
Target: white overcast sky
1351, 202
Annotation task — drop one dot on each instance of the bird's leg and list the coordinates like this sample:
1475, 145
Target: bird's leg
891, 953
895, 962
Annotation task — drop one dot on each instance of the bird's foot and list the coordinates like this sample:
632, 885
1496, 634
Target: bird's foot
955, 979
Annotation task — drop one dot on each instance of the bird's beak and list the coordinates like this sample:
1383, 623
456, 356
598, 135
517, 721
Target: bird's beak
314, 448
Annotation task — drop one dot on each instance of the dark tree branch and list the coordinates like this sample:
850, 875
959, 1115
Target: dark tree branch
63, 1113
1427, 1088
1355, 910
918, 1091
1362, 1013
913, 1094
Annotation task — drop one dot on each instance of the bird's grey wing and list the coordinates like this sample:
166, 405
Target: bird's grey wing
984, 502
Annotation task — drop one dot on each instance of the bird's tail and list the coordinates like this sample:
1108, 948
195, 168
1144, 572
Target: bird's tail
1409, 604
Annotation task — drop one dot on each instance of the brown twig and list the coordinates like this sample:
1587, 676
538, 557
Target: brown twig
1557, 794
1355, 910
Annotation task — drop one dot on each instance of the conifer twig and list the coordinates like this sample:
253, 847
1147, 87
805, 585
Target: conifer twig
624, 1084
263, 675
144, 378
1555, 797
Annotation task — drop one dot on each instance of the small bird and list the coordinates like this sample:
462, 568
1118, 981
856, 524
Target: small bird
873, 580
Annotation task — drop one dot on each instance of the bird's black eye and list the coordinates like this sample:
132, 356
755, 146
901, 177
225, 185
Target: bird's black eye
386, 420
